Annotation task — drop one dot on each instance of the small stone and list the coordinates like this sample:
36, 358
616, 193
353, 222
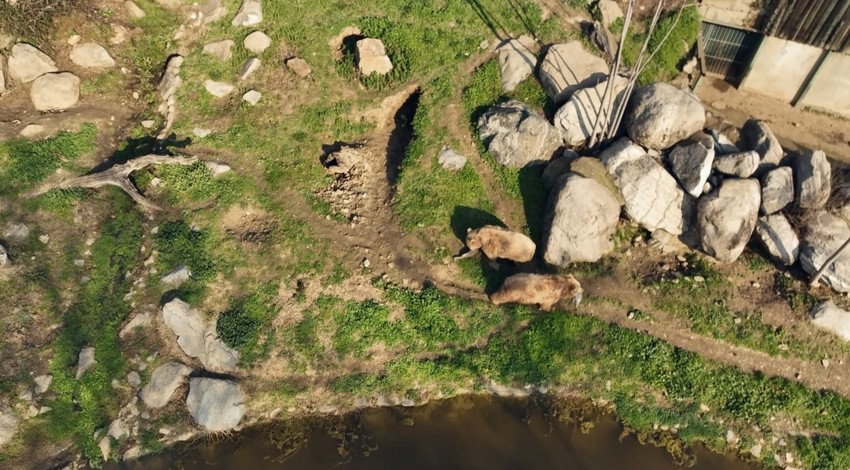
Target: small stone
249, 14
249, 67
105, 446
74, 39
133, 10
91, 55
299, 66
371, 57
136, 95
699, 279
756, 285
257, 42
148, 123
451, 160
218, 89
367, 263
42, 383
44, 238
31, 130
704, 408
176, 276
134, 379
221, 50
200, 133
119, 34
32, 412
26, 395
55, 91
824, 362
86, 361
252, 97
217, 168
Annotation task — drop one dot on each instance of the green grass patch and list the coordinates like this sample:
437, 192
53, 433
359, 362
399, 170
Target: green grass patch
665, 65
29, 162
185, 183
178, 244
245, 326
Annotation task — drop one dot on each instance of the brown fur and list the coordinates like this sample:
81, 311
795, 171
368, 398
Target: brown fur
498, 242
536, 289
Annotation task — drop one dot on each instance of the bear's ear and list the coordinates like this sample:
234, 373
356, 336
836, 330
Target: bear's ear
468, 229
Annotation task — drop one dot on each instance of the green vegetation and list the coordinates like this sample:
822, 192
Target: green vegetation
30, 162
666, 63
246, 324
178, 244
192, 183
82, 406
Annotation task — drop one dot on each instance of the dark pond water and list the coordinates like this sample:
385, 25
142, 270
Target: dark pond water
461, 433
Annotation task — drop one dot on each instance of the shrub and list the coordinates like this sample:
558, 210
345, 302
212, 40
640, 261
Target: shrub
245, 325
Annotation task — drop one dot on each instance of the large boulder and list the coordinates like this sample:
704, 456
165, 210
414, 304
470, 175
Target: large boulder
197, 339
569, 67
516, 136
577, 118
218, 357
55, 91
91, 55
778, 237
661, 115
216, 405
28, 63
371, 57
249, 14
823, 236
832, 318
516, 62
740, 164
581, 217
557, 167
777, 189
757, 136
652, 196
813, 180
165, 379
8, 426
593, 168
726, 218
690, 162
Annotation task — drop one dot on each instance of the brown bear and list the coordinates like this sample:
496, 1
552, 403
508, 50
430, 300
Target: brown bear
499, 242
544, 290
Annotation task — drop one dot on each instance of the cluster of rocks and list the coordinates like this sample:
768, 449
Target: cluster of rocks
667, 172
51, 89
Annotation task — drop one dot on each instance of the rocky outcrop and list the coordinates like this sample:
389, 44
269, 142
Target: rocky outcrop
778, 237
824, 234
584, 115
55, 91
516, 62
777, 189
516, 136
652, 196
661, 115
371, 57
813, 180
165, 380
726, 218
216, 405
257, 42
690, 162
85, 361
758, 136
740, 164
581, 217
28, 63
249, 14
832, 318
197, 339
451, 160
91, 55
569, 67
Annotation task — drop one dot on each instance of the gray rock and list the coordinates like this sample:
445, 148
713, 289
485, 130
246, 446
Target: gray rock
165, 380
42, 383
249, 14
217, 168
187, 324
105, 446
581, 217
201, 132
134, 379
371, 57
757, 136
577, 118
218, 89
26, 395
4, 257
209, 12
813, 180
451, 160
726, 218
132, 453
741, 164
830, 317
118, 429
55, 91
777, 189
8, 426
257, 42
32, 130
722, 144
91, 55
299, 66
516, 136
652, 196
252, 97
221, 50
609, 11
141, 320
779, 238
690, 162
218, 357
28, 63
2, 74
248, 68
17, 233
169, 84
593, 168
133, 10
557, 167
824, 234
516, 62
661, 115
176, 276
216, 405
86, 361
569, 67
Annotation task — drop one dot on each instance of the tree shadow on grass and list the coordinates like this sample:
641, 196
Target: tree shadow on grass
479, 267
467, 218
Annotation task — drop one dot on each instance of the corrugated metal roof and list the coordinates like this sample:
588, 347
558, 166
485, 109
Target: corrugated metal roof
820, 23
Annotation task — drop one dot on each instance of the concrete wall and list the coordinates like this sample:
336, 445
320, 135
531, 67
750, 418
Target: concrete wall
780, 68
830, 88
741, 13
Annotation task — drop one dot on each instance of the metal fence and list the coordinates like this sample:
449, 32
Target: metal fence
727, 52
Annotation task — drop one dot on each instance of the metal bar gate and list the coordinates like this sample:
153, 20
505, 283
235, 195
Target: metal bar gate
728, 51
